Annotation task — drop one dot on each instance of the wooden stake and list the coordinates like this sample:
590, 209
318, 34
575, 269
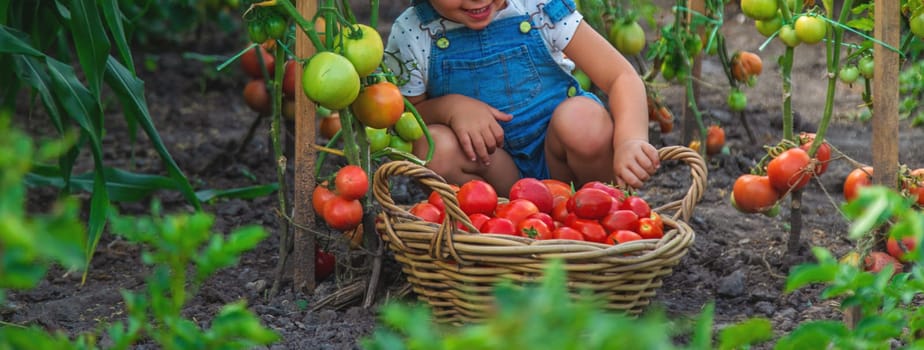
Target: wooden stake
305, 157
885, 94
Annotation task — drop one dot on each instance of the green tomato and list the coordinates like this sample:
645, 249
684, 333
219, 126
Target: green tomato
810, 29
770, 26
759, 9
378, 139
256, 31
408, 128
917, 24
693, 45
866, 66
737, 101
788, 36
582, 79
667, 70
628, 38
400, 145
276, 26
849, 74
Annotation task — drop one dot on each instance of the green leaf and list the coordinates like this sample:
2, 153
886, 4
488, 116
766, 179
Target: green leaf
31, 71
812, 335
123, 186
702, 331
130, 91
113, 16
11, 43
248, 192
874, 214
90, 41
751, 331
805, 274
78, 103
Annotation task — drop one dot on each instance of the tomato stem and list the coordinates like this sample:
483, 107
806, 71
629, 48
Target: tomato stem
307, 27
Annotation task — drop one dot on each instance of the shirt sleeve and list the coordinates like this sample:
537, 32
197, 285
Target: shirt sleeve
407, 52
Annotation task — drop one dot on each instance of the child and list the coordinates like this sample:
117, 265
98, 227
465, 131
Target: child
492, 82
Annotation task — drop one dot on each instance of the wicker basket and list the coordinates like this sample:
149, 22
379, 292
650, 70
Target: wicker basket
454, 271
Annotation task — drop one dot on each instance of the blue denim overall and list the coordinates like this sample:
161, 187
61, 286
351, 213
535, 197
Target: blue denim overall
507, 66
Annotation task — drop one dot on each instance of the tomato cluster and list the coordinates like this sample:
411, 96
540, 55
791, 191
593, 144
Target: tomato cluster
256, 93
341, 208
788, 171
550, 209
658, 112
265, 23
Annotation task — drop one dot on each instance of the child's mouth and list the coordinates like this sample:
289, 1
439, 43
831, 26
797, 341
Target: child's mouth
480, 13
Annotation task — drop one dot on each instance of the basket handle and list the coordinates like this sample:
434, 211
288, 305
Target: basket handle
683, 207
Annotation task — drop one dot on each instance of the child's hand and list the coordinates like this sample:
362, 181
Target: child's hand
476, 126
634, 162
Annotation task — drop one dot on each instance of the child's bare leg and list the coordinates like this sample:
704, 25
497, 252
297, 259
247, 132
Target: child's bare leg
450, 162
579, 142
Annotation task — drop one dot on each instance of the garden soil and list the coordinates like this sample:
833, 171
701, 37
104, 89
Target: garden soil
738, 261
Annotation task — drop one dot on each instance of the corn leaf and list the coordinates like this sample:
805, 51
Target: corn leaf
90, 41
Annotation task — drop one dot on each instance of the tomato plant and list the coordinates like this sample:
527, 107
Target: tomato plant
477, 196
330, 80
866, 65
256, 97
378, 138
754, 193
914, 185
250, 63
770, 26
849, 74
788, 36
288, 79
737, 101
822, 154
408, 128
899, 251
535, 191
859, 177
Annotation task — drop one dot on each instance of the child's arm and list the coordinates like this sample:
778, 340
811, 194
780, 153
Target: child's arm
474, 122
634, 159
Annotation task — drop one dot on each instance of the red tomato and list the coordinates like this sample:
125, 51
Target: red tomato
343, 214
324, 264
478, 219
754, 194
638, 205
427, 212
560, 212
499, 225
656, 220
250, 63
897, 251
533, 190
566, 232
516, 210
435, 199
256, 97
320, 197
590, 229
620, 220
592, 203
558, 188
288, 79
876, 261
534, 228
624, 236
477, 196
647, 228
379, 105
351, 182
790, 170
860, 177
614, 192
822, 154
546, 218
915, 186
715, 139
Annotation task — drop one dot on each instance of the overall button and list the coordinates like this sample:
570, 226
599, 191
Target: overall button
572, 91
442, 42
525, 27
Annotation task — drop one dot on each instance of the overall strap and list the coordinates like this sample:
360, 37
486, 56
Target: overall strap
558, 9
425, 11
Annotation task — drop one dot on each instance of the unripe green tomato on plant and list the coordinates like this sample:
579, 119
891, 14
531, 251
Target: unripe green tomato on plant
628, 37
759, 9
769, 26
810, 29
330, 80
378, 138
917, 24
867, 65
408, 128
363, 46
256, 31
737, 100
788, 36
849, 74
